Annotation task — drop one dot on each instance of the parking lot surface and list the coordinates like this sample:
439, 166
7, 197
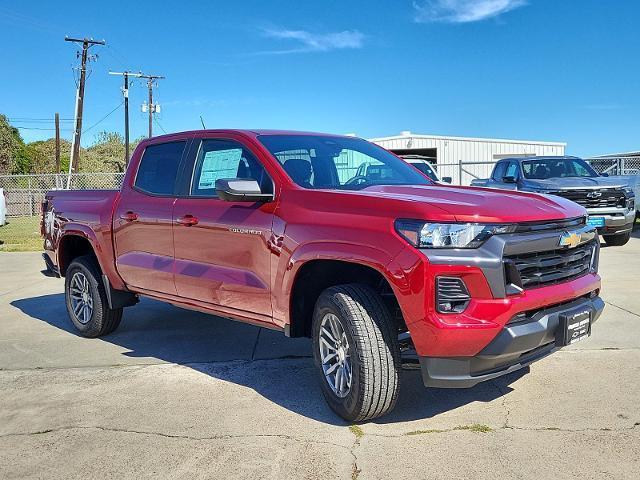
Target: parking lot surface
178, 394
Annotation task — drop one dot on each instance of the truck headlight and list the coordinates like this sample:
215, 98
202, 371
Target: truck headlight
630, 197
422, 234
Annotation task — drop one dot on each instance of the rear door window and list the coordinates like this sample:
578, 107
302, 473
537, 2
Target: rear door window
158, 168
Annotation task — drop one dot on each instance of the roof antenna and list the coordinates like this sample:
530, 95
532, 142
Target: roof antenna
202, 122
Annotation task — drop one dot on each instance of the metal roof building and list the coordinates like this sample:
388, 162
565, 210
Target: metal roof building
463, 158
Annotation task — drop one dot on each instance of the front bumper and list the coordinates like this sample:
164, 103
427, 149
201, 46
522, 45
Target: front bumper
616, 221
516, 346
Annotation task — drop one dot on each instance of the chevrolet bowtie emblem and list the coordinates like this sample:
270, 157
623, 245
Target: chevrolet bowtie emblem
570, 239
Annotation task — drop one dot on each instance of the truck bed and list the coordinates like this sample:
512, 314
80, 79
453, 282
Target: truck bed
87, 212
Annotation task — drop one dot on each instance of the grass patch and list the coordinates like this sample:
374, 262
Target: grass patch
476, 427
357, 431
21, 234
423, 432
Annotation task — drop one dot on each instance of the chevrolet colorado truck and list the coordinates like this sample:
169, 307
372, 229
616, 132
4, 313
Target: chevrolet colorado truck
276, 229
610, 201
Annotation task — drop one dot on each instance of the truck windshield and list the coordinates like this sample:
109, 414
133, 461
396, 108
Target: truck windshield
427, 170
544, 168
343, 163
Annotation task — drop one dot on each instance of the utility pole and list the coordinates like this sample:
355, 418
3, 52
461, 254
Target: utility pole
125, 94
86, 44
57, 142
151, 107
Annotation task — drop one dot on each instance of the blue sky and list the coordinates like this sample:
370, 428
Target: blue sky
566, 70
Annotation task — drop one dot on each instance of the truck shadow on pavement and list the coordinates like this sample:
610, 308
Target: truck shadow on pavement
278, 368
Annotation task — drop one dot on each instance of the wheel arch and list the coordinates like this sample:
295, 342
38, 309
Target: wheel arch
74, 244
315, 275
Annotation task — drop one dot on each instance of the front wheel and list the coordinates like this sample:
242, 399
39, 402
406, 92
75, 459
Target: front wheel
86, 299
356, 352
617, 240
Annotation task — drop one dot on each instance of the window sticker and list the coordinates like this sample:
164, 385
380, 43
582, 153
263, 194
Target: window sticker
219, 164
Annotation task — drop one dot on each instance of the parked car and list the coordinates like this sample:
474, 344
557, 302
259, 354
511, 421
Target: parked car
468, 284
426, 166
3, 207
610, 201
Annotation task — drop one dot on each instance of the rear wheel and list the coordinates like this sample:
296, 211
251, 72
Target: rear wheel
356, 352
617, 240
86, 299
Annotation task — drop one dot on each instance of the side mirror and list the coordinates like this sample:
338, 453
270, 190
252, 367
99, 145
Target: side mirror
509, 179
447, 179
241, 190
605, 174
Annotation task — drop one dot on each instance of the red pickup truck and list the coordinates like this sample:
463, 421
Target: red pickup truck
381, 270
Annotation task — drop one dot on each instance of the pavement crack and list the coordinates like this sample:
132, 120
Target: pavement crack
190, 364
173, 436
358, 433
622, 308
479, 428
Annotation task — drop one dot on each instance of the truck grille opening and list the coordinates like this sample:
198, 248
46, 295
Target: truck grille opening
595, 198
530, 270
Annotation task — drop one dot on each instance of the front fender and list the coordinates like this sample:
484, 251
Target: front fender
288, 268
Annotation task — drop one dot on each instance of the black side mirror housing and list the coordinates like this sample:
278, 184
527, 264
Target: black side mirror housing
241, 190
447, 179
509, 179
605, 174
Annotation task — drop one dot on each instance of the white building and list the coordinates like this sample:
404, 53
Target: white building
466, 158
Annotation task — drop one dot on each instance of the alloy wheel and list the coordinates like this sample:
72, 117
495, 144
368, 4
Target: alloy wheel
335, 355
81, 298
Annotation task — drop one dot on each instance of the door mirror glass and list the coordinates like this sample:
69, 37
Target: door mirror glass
509, 179
241, 190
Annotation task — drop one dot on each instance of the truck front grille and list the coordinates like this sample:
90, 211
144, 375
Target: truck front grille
530, 270
595, 198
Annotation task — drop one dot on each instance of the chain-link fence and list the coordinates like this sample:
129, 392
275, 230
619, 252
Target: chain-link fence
616, 165
24, 193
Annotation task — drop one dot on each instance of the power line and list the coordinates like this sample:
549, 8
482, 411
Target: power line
36, 120
103, 118
158, 123
47, 129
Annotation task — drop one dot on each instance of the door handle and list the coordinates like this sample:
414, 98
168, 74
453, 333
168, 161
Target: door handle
129, 216
188, 220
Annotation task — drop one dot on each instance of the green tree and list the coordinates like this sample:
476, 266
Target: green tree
43, 155
11, 144
105, 155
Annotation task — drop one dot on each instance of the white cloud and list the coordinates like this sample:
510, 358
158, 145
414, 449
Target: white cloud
462, 11
315, 42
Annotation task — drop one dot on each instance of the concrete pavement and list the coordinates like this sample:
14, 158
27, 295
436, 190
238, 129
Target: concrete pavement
178, 394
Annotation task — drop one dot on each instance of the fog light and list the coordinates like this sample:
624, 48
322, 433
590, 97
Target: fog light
452, 295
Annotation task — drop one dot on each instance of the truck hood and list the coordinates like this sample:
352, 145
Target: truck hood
566, 183
484, 205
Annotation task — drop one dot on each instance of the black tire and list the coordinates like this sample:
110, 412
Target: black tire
103, 320
375, 355
617, 240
